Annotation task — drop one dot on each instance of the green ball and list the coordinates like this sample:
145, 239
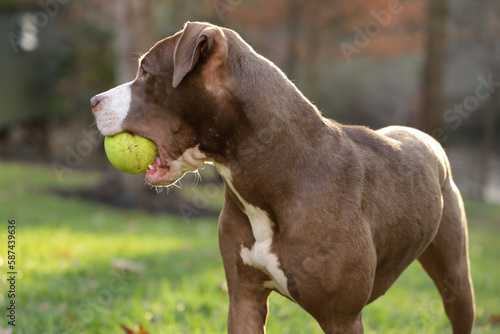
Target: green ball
130, 153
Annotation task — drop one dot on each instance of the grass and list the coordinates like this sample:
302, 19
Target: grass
172, 281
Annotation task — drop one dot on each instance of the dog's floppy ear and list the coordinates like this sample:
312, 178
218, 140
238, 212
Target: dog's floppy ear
198, 39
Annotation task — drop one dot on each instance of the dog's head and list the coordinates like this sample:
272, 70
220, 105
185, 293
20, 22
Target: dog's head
181, 99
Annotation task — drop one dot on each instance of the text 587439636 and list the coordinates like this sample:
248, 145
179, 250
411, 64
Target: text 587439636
11, 274
11, 245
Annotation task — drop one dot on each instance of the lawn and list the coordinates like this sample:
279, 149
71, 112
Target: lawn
87, 268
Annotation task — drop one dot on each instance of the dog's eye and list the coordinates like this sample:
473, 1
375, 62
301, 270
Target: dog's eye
143, 73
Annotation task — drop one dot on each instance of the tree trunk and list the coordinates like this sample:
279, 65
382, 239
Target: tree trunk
489, 136
313, 48
292, 23
491, 117
433, 83
134, 29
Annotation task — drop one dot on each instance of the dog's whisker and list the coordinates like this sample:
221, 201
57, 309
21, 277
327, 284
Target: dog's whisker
149, 185
197, 178
168, 188
177, 184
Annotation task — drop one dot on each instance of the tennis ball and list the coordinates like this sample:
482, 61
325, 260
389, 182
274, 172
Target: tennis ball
130, 153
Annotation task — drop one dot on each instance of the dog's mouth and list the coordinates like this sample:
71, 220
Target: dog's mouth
165, 171
159, 173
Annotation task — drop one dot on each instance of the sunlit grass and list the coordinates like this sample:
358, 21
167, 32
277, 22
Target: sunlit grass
69, 280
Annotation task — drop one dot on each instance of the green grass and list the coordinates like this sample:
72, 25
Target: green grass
67, 282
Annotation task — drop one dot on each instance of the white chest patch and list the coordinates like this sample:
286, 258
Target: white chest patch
260, 255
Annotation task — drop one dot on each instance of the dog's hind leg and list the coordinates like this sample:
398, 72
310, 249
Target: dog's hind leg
446, 260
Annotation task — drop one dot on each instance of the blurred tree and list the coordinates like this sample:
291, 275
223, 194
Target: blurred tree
292, 26
433, 85
306, 39
313, 38
135, 34
45, 96
25, 88
491, 31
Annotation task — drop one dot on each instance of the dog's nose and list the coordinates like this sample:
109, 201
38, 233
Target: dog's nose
94, 102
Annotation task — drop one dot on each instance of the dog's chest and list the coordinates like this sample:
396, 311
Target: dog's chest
260, 255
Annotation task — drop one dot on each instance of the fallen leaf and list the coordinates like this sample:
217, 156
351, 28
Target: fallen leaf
495, 319
131, 331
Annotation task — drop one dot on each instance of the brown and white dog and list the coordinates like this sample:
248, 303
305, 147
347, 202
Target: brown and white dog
325, 214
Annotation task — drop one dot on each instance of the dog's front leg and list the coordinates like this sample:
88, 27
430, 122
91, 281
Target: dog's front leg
247, 295
247, 311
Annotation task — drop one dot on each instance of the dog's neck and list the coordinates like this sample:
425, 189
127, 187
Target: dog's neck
283, 129
269, 99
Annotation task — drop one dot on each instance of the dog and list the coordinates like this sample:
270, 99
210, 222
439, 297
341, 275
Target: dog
325, 214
